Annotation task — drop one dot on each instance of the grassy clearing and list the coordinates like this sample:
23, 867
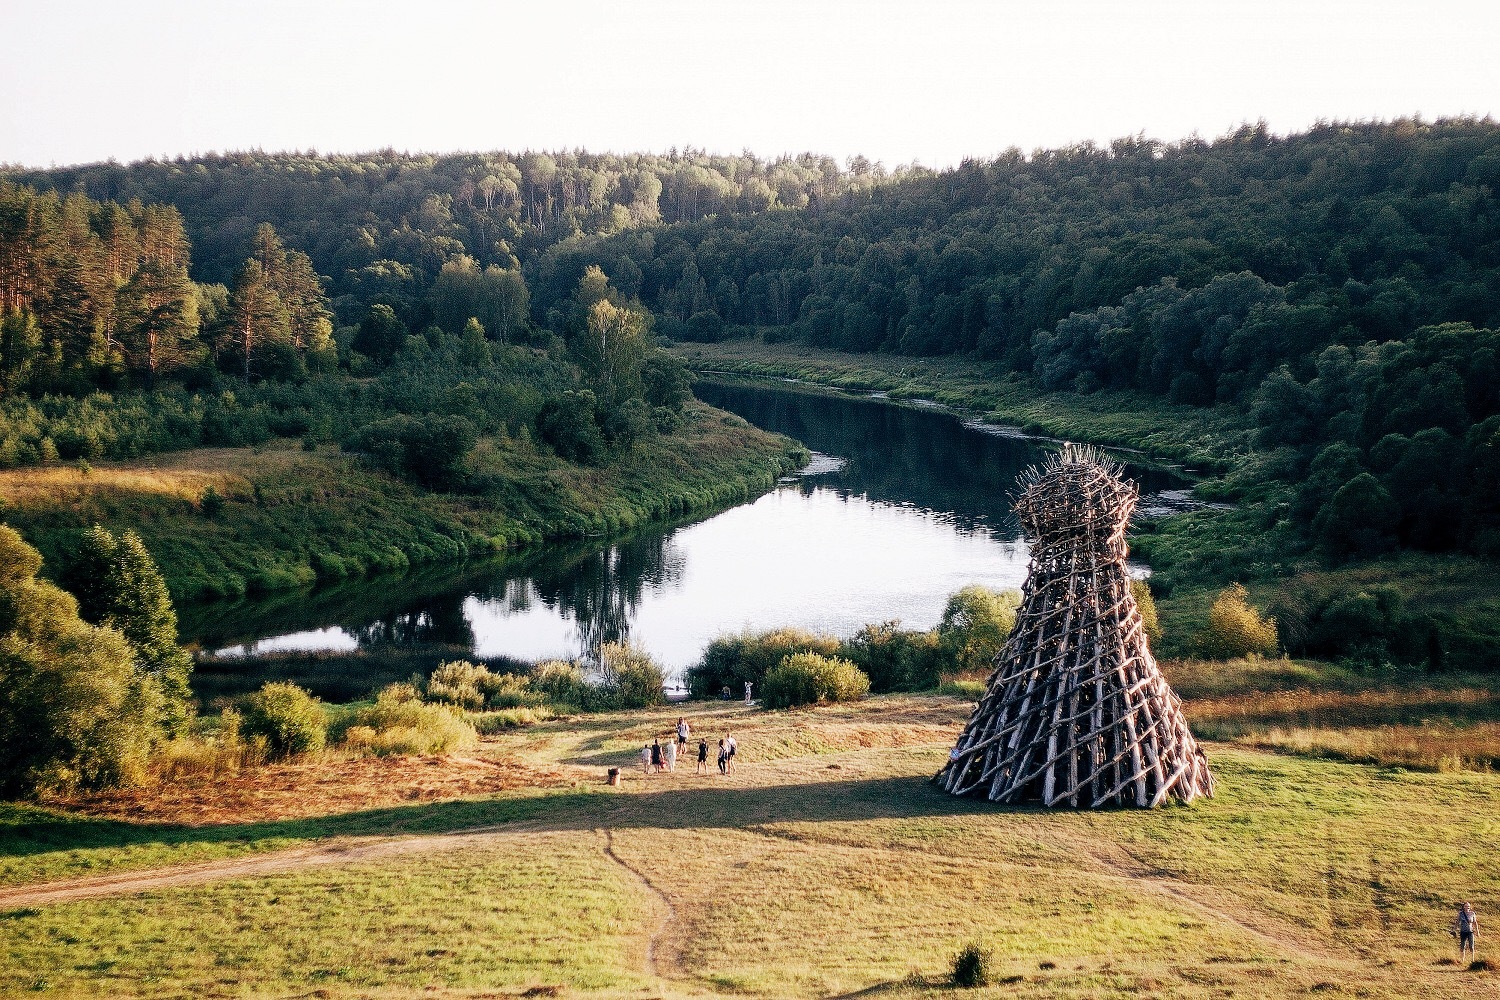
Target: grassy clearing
291, 517
827, 865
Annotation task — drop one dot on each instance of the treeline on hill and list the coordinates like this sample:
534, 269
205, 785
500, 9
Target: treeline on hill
1286, 276
108, 349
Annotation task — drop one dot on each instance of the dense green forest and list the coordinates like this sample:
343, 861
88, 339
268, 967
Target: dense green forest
1277, 274
1338, 288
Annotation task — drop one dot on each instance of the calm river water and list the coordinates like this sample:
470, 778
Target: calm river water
900, 507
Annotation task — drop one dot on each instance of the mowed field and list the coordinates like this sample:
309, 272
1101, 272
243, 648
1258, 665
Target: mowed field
827, 866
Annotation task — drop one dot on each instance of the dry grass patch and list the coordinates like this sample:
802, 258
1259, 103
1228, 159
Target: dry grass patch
325, 785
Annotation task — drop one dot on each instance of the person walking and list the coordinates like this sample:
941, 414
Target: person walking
669, 757
1465, 926
646, 759
723, 759
656, 755
732, 746
683, 731
702, 757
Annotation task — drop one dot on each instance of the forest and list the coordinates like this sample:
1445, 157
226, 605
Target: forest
1338, 287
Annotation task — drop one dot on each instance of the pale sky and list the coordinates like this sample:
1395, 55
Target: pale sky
930, 82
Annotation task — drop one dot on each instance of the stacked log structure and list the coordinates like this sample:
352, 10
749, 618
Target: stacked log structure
1077, 712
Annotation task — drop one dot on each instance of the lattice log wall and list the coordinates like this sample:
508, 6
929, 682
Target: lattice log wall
1077, 713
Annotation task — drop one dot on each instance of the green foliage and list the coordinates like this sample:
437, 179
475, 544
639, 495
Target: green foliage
560, 681
400, 723
973, 967
628, 678
1146, 604
432, 451
467, 686
812, 679
290, 720
117, 585
731, 660
1235, 628
381, 334
569, 424
898, 660
74, 711
976, 622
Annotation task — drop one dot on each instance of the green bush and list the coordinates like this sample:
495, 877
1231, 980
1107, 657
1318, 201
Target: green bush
559, 681
975, 624
809, 678
401, 723
289, 719
898, 660
973, 967
1146, 605
74, 710
731, 660
1235, 628
629, 678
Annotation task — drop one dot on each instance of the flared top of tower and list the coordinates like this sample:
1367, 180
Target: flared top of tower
1078, 495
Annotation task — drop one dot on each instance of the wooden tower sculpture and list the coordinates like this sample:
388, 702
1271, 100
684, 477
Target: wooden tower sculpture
1077, 713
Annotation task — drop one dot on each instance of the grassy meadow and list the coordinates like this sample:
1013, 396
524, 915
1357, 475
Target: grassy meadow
826, 866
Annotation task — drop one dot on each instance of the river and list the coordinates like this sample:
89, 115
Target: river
901, 506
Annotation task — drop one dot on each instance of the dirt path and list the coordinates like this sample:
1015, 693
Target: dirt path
341, 851
669, 912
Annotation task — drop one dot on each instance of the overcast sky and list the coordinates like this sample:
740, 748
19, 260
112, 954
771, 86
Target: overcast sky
927, 81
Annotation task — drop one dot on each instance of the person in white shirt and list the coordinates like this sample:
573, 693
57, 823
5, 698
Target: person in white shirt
646, 759
669, 756
731, 746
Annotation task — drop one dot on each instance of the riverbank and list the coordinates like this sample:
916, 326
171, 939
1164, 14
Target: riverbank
279, 517
826, 865
1434, 611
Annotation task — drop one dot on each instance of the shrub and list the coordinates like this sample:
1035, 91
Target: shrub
289, 719
898, 660
976, 623
558, 681
1235, 628
1146, 605
809, 678
401, 723
973, 967
217, 748
74, 711
629, 678
731, 660
489, 723
457, 683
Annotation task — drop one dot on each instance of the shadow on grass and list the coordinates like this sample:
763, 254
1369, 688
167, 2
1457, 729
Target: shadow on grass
29, 831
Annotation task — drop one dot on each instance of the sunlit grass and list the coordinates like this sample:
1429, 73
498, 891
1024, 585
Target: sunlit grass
828, 865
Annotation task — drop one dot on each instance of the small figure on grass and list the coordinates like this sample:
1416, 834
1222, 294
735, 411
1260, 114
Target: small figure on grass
646, 759
669, 757
723, 758
732, 747
683, 731
702, 757
1465, 926
656, 755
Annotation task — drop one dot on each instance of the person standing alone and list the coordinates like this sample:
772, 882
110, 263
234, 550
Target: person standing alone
1465, 926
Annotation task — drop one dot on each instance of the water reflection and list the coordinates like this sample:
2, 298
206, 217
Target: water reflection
904, 507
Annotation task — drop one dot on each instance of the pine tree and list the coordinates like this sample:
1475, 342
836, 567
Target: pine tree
257, 316
118, 585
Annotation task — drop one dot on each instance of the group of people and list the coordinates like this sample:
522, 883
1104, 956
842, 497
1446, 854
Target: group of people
658, 757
